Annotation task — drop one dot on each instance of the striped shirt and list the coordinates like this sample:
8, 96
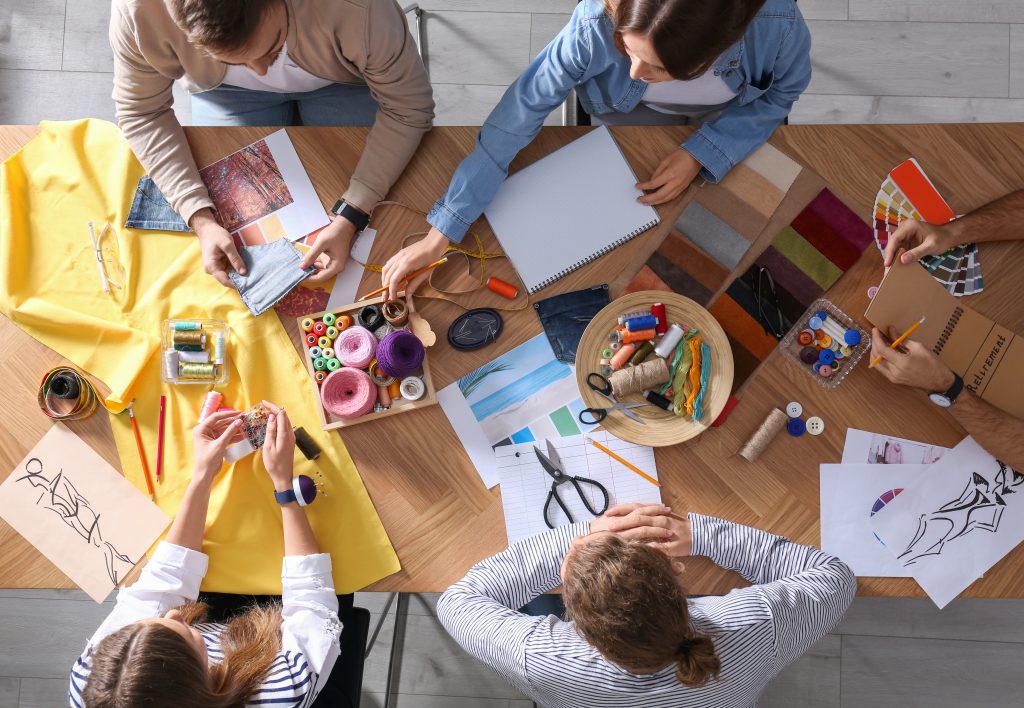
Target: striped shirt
799, 594
310, 628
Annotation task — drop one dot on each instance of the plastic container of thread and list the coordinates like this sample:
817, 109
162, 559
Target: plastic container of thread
194, 351
826, 343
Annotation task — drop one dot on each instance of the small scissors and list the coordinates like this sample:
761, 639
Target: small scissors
596, 415
552, 464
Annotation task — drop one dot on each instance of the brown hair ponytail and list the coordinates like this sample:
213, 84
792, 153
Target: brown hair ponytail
626, 601
149, 664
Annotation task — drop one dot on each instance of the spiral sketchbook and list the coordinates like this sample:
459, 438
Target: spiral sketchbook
568, 209
987, 355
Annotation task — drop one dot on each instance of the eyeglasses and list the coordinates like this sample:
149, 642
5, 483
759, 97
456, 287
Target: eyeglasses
769, 313
106, 257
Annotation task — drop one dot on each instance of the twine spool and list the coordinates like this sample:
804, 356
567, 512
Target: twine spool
348, 393
635, 379
370, 317
413, 388
197, 372
355, 347
396, 313
400, 353
770, 427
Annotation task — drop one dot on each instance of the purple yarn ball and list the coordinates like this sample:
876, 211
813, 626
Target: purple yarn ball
400, 353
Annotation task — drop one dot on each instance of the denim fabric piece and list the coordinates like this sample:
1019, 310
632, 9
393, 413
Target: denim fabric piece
151, 210
273, 270
564, 317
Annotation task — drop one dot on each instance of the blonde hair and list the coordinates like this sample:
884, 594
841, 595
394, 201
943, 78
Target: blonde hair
146, 663
626, 602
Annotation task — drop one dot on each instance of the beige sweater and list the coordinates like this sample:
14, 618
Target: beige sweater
347, 41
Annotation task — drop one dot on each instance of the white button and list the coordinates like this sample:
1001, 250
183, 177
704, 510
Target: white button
794, 409
815, 426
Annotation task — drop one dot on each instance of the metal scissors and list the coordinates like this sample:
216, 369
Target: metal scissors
552, 464
593, 416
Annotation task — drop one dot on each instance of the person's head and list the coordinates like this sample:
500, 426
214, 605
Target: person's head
162, 661
627, 601
677, 39
249, 33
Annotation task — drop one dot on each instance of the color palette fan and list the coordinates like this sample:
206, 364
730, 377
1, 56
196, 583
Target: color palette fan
907, 193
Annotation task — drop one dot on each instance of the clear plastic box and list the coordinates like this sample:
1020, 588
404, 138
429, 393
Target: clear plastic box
208, 333
792, 347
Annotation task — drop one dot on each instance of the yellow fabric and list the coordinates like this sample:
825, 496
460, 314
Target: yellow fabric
50, 287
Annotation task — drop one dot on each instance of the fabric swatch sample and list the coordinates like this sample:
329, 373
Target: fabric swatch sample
774, 165
151, 210
714, 236
272, 271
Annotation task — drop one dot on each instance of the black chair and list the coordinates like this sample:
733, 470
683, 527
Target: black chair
344, 687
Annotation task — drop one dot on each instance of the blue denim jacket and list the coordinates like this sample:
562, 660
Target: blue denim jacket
768, 69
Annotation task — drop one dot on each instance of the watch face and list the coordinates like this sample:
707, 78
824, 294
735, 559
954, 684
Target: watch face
940, 400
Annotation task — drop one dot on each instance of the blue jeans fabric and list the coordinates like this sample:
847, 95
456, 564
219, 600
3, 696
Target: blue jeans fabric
151, 210
272, 270
564, 317
338, 104
545, 605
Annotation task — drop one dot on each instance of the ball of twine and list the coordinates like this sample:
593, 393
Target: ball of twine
355, 347
348, 393
400, 353
634, 379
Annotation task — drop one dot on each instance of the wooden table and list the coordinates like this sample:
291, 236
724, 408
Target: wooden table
438, 514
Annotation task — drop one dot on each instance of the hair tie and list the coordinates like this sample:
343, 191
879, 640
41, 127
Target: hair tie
685, 646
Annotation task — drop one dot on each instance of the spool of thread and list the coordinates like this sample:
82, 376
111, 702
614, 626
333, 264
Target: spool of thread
315, 352
327, 353
193, 337
635, 324
343, 322
333, 364
660, 401
771, 426
329, 318
171, 359
307, 446
348, 393
320, 364
607, 353
396, 313
383, 396
311, 340
185, 325
320, 376
635, 379
506, 290
65, 381
211, 404
332, 332
641, 335
370, 317
355, 347
324, 342
319, 329
395, 389
307, 324
413, 388
669, 340
219, 344
622, 356
200, 357
190, 347
400, 353
378, 376
642, 352
658, 310
628, 315
197, 372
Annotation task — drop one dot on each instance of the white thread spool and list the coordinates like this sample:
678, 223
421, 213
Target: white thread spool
171, 358
218, 348
413, 388
202, 357
669, 340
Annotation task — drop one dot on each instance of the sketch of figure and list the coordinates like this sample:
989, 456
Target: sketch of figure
980, 506
60, 496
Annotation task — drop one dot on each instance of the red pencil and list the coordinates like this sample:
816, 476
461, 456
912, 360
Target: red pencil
160, 439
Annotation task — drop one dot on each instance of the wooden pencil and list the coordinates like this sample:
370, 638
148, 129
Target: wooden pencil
897, 342
625, 462
407, 278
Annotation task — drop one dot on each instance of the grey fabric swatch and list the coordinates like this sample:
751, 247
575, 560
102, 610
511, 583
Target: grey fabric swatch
712, 235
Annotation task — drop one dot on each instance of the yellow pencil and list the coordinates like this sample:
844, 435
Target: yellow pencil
899, 340
407, 278
636, 469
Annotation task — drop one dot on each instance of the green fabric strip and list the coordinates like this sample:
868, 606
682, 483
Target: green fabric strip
806, 257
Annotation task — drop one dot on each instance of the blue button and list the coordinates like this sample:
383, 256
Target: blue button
795, 427
821, 315
815, 323
817, 366
852, 337
826, 356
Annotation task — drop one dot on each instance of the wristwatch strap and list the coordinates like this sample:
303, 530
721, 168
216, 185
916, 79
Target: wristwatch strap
356, 216
955, 389
285, 497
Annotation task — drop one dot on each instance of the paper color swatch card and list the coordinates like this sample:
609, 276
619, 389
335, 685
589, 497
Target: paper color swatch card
988, 356
80, 512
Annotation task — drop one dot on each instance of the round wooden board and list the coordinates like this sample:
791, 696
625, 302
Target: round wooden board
661, 428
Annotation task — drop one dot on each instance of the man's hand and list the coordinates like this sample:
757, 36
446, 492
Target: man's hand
654, 523
673, 175
411, 258
920, 239
912, 364
329, 252
219, 252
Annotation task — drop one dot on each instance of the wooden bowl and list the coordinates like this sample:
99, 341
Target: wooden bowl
660, 427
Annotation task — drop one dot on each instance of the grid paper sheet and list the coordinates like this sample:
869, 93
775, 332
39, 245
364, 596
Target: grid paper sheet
525, 484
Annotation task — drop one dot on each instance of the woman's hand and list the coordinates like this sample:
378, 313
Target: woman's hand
279, 448
673, 175
919, 238
329, 253
210, 440
655, 523
412, 257
219, 252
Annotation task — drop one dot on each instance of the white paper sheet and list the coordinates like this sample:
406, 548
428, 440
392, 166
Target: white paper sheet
346, 285
870, 448
525, 484
850, 495
471, 435
957, 521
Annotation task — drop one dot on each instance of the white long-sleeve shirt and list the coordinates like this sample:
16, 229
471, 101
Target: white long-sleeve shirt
310, 628
800, 593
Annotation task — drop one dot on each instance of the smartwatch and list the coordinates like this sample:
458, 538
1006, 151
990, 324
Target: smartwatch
948, 397
303, 491
356, 216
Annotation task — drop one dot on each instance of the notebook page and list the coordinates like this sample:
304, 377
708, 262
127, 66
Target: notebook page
564, 210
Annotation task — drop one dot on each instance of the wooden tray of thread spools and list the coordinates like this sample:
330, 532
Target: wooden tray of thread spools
660, 427
404, 405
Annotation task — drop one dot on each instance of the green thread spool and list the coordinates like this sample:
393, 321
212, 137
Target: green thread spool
330, 319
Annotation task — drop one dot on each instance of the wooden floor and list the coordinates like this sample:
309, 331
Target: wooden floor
874, 61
